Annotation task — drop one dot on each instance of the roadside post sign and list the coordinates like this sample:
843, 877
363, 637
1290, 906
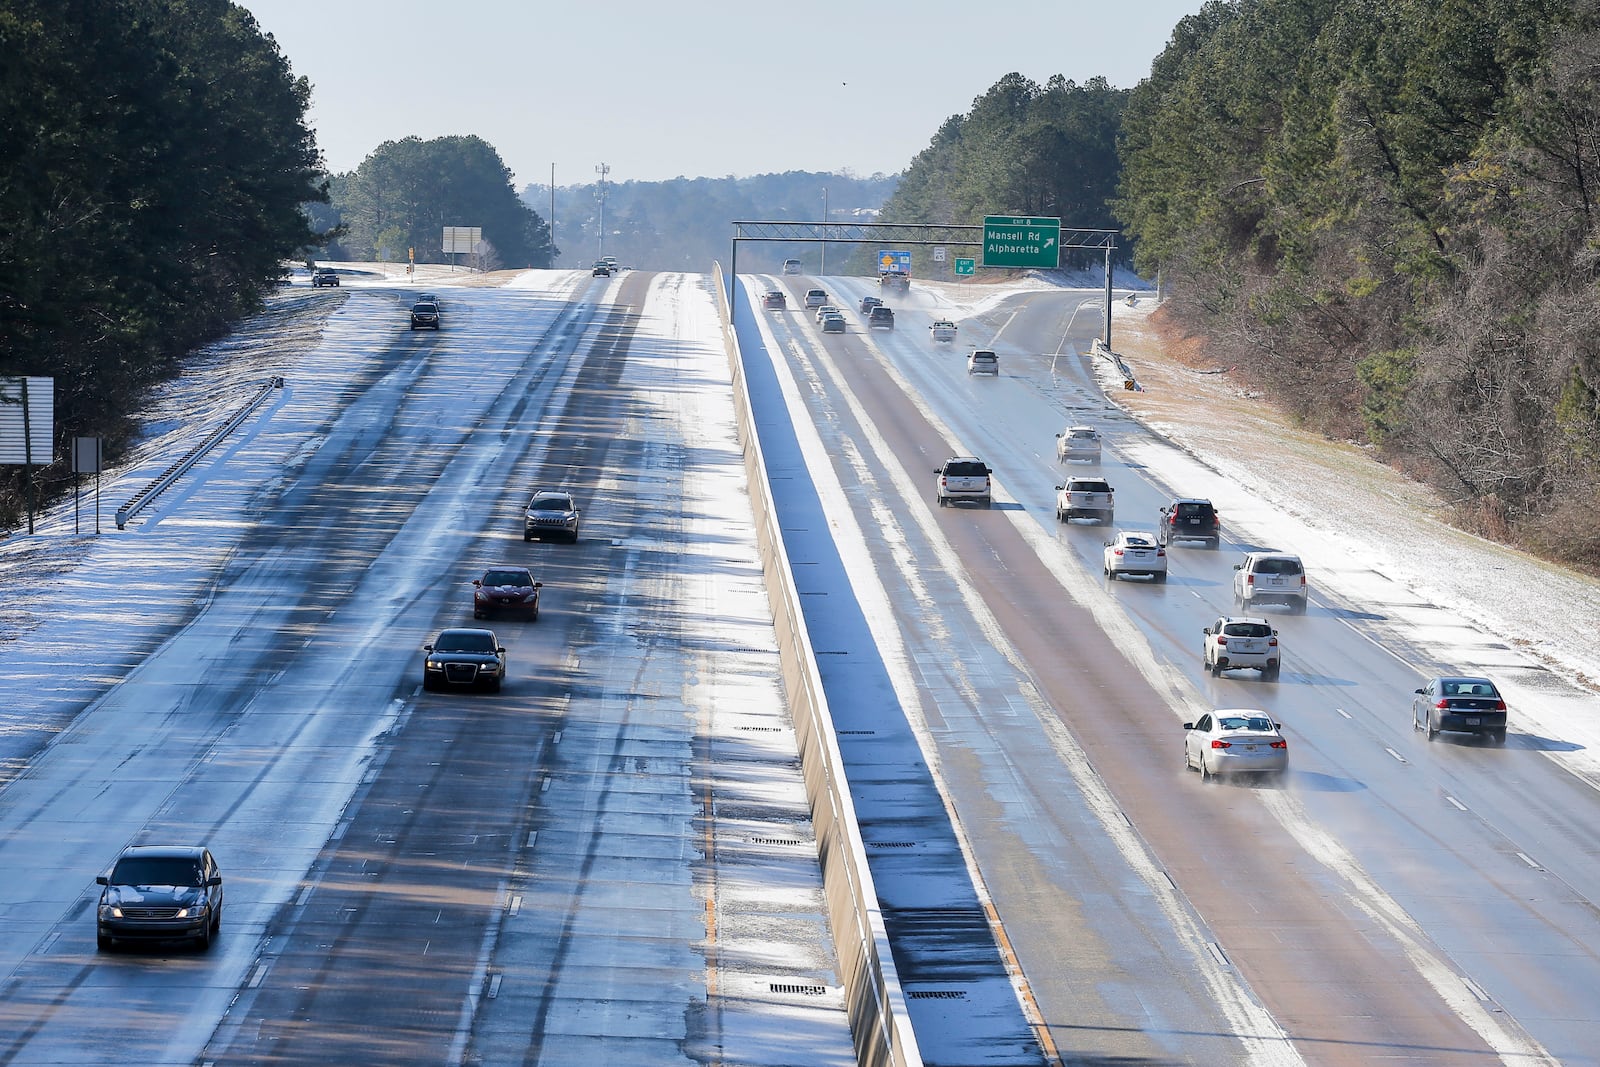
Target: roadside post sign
938, 255
1021, 242
965, 266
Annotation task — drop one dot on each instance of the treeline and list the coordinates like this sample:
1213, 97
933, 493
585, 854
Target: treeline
155, 161
1048, 151
403, 195
1385, 215
686, 223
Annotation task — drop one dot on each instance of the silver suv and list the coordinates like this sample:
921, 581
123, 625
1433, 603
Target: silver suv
963, 478
551, 513
1270, 577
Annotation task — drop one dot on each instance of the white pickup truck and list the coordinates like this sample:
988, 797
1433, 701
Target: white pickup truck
1085, 498
942, 331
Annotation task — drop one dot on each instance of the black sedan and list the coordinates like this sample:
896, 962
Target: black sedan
160, 893
464, 658
1460, 705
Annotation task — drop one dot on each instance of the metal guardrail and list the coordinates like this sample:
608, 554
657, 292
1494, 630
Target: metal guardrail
1130, 383
142, 499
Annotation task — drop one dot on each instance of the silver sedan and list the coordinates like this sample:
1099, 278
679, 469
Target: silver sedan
1235, 741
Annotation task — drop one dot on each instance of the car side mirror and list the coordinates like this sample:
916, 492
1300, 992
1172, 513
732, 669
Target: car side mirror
1059, 488
1419, 692
1238, 566
1188, 726
1206, 631
215, 879
1108, 544
500, 651
1060, 435
427, 648
538, 585
1163, 511
102, 880
477, 581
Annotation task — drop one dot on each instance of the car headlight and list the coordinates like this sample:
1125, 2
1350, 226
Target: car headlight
435, 665
110, 911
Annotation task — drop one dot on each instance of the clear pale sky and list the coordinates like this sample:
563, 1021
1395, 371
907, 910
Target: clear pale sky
659, 90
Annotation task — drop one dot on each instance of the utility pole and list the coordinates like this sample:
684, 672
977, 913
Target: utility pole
552, 214
824, 268
602, 170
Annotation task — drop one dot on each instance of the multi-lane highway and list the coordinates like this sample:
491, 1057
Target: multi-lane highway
612, 859
1394, 900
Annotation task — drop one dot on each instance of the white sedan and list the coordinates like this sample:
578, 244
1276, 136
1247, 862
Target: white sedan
1235, 741
1132, 553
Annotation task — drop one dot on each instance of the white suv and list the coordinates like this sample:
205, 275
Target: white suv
1238, 641
963, 478
1267, 577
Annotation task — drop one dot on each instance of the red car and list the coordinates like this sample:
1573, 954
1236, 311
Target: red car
506, 590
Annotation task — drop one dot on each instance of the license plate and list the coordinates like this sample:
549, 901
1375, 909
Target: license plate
1194, 522
1249, 748
1472, 721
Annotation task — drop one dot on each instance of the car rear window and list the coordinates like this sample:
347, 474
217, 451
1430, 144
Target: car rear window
966, 469
1247, 629
1277, 566
1194, 511
1089, 487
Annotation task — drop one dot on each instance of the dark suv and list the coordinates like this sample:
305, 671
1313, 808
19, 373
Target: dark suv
880, 318
324, 276
424, 316
160, 893
1189, 519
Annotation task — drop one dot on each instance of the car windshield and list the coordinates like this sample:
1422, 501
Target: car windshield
424, 308
1247, 629
508, 578
550, 503
1244, 722
464, 641
156, 870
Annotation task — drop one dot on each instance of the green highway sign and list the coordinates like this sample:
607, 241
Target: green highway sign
1021, 242
965, 266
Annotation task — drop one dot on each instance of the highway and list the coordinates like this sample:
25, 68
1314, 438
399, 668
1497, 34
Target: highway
1426, 903
612, 860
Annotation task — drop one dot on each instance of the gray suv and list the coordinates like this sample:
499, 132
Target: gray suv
551, 513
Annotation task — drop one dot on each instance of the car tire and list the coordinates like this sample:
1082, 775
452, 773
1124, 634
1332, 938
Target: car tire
103, 943
1107, 520
1215, 667
477, 614
1270, 674
204, 944
1161, 578
494, 685
1499, 737
1432, 733
1214, 544
427, 684
1207, 775
534, 617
